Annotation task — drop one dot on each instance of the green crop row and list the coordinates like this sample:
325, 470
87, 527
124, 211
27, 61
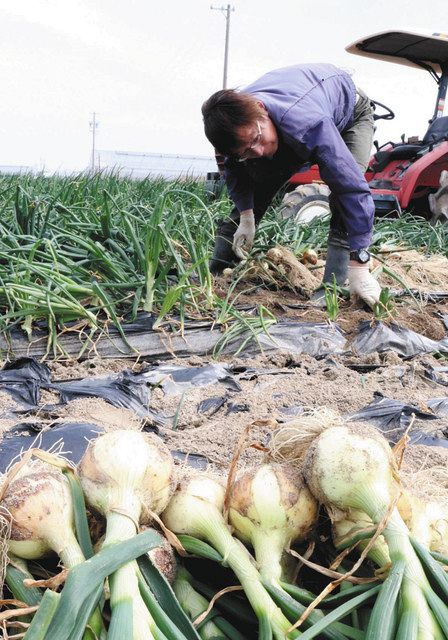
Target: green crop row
92, 251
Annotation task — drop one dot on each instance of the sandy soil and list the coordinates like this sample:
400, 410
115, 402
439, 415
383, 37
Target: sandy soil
278, 387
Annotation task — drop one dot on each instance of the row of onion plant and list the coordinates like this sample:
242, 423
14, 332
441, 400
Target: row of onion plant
94, 251
90, 252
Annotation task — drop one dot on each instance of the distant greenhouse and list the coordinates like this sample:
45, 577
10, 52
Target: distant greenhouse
142, 165
15, 169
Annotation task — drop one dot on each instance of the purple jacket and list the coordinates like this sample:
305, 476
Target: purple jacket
310, 106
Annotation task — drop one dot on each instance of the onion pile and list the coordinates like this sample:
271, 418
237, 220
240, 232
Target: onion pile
132, 588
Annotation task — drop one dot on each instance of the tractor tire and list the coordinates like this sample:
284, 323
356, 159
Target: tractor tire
214, 185
305, 203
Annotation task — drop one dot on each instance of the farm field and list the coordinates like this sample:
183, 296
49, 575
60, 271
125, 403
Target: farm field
111, 320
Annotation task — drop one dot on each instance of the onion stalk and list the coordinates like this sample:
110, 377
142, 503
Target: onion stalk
351, 467
194, 605
16, 572
352, 528
196, 509
126, 476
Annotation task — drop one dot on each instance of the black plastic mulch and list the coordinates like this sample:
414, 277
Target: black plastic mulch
23, 379
392, 417
23, 436
379, 337
318, 339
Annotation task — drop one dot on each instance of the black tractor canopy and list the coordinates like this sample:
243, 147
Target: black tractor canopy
422, 49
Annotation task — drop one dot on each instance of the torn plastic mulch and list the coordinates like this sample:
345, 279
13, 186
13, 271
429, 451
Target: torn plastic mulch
437, 374
251, 373
125, 390
72, 436
174, 380
387, 412
318, 339
425, 296
195, 460
212, 405
439, 406
392, 417
380, 337
132, 391
23, 379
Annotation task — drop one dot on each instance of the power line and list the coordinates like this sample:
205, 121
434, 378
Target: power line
225, 9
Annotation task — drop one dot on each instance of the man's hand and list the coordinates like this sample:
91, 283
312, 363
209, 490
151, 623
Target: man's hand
363, 284
245, 233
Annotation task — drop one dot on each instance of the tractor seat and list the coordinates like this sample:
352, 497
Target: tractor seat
437, 130
399, 152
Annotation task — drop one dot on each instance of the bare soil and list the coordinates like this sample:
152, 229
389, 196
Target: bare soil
284, 286
280, 386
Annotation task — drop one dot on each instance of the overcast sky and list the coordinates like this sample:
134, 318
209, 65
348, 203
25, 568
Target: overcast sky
145, 68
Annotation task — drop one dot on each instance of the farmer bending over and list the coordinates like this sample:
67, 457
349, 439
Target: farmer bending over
288, 117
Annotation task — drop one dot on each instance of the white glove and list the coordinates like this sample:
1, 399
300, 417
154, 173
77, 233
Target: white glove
245, 233
363, 284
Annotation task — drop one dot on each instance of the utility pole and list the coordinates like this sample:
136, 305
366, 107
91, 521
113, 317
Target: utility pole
93, 125
225, 9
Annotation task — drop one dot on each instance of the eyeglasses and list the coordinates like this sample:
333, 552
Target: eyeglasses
255, 142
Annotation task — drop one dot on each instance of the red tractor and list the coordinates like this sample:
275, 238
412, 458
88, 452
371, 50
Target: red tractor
406, 175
